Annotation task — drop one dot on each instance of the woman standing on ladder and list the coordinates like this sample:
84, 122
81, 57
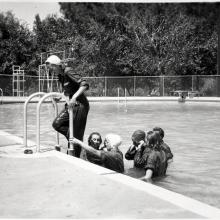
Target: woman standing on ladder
73, 88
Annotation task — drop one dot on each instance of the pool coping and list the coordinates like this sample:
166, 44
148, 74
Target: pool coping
177, 199
13, 99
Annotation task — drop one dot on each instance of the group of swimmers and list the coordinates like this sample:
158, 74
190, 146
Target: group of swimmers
148, 151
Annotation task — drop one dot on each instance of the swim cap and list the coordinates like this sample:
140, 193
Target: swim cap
53, 59
138, 135
113, 139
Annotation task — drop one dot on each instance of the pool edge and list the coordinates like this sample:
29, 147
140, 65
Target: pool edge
11, 99
177, 199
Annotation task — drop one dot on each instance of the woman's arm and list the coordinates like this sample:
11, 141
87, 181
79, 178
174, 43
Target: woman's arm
148, 176
85, 146
81, 90
129, 155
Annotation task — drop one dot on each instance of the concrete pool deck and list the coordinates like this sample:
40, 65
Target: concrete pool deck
51, 184
14, 99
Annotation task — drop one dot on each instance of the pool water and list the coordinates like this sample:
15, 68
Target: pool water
191, 130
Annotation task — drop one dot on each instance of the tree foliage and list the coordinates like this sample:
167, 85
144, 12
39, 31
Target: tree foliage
146, 39
119, 39
16, 43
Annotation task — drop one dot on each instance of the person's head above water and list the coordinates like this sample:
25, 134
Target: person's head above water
160, 131
154, 139
95, 140
112, 141
138, 136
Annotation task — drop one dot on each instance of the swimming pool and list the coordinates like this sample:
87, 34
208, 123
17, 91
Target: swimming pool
191, 129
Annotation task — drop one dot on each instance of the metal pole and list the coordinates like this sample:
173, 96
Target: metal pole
39, 68
71, 132
125, 100
163, 85
105, 85
38, 115
118, 95
22, 83
192, 84
56, 113
134, 85
18, 82
25, 115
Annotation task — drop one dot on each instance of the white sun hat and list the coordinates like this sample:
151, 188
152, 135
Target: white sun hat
53, 59
113, 139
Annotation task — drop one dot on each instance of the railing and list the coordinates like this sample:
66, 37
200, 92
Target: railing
25, 115
54, 94
206, 85
46, 96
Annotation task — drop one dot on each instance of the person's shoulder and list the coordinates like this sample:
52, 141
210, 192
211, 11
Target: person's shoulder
112, 153
68, 69
70, 72
119, 152
116, 152
160, 155
165, 144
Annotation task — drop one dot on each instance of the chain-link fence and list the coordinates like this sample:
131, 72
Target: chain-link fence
208, 85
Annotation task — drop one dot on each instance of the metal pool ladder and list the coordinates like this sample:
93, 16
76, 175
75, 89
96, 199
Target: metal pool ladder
38, 126
46, 96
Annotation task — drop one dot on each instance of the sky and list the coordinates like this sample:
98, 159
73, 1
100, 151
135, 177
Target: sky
26, 11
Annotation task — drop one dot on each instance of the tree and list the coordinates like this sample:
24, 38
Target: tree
145, 39
210, 14
16, 43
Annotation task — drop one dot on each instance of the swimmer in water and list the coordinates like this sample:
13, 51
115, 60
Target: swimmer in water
111, 157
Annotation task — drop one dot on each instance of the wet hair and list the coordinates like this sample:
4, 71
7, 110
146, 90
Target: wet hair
154, 140
138, 135
90, 137
160, 130
149, 133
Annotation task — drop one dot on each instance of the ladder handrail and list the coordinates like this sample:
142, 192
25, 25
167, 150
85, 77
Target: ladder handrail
51, 94
25, 114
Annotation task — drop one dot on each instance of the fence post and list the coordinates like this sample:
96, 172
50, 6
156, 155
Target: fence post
39, 76
105, 85
118, 94
134, 84
125, 100
163, 84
